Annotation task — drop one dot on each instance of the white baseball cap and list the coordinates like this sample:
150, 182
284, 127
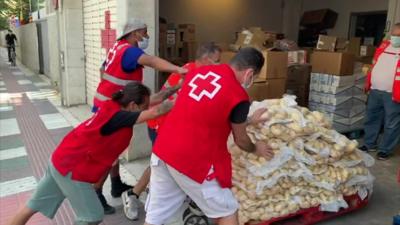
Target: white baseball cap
131, 25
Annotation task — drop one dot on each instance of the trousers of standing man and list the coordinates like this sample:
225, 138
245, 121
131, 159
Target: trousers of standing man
382, 110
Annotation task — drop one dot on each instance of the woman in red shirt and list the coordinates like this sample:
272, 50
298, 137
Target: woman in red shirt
87, 153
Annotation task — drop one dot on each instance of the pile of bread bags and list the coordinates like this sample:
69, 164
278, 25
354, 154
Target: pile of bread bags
313, 165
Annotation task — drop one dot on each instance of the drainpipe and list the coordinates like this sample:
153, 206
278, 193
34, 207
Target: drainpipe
60, 63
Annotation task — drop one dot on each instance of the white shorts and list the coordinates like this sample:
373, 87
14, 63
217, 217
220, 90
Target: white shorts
169, 189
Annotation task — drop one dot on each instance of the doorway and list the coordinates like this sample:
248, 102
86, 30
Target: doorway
368, 25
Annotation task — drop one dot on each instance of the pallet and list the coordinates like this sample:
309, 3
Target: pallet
312, 216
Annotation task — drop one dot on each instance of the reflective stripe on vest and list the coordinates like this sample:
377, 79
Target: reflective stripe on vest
115, 80
397, 78
101, 97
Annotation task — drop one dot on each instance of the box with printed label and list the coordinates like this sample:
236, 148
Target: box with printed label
326, 43
171, 37
348, 108
367, 50
331, 99
297, 57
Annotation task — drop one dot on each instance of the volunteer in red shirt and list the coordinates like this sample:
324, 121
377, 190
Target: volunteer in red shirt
190, 155
124, 63
383, 105
87, 153
207, 54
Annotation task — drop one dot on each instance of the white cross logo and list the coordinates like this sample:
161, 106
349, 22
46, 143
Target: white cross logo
204, 85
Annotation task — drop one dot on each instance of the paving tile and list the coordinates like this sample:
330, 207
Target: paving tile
59, 134
17, 73
12, 141
16, 173
7, 115
45, 107
54, 121
24, 82
41, 94
16, 186
3, 89
2, 83
9, 127
12, 153
6, 108
11, 164
29, 87
42, 84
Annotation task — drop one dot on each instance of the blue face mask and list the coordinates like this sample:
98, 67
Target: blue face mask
395, 41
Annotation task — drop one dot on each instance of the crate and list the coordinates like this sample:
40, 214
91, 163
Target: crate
313, 215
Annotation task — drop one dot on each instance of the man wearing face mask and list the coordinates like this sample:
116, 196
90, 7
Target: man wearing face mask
383, 106
124, 63
207, 54
190, 155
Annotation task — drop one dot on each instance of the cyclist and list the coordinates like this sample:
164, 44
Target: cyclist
10, 40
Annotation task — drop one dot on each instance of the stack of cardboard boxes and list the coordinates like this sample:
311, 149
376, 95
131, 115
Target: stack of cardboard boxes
271, 82
298, 82
178, 44
336, 89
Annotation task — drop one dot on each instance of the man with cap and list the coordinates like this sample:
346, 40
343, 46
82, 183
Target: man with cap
124, 63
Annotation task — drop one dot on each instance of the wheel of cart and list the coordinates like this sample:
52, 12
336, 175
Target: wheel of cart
194, 216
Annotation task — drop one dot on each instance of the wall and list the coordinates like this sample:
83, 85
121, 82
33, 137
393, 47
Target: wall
27, 46
73, 90
54, 51
219, 20
345, 8
95, 54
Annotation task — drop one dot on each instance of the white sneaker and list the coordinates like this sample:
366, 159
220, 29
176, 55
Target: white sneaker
131, 205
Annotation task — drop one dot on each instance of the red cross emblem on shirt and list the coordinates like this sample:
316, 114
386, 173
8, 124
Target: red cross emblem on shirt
204, 85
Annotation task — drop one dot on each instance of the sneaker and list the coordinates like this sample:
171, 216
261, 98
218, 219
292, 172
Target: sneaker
117, 187
108, 209
366, 149
383, 156
131, 204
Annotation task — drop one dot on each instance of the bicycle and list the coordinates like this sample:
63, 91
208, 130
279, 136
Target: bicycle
13, 55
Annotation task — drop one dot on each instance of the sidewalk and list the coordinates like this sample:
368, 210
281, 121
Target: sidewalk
32, 123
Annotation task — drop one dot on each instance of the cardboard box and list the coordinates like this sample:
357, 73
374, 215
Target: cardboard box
255, 37
275, 65
188, 51
300, 91
187, 32
171, 37
326, 43
226, 56
367, 50
297, 57
319, 19
354, 46
269, 89
334, 63
342, 44
299, 75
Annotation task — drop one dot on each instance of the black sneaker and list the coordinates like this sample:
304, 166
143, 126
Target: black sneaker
108, 209
118, 187
366, 149
383, 156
